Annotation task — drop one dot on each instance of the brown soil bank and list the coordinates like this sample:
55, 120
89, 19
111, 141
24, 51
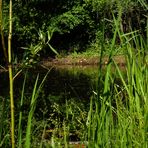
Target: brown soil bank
120, 60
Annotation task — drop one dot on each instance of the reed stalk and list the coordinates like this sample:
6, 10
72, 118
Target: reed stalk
11, 76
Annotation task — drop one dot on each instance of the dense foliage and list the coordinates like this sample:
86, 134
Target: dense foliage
72, 24
116, 115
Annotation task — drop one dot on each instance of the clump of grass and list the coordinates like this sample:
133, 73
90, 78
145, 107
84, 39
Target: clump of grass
118, 114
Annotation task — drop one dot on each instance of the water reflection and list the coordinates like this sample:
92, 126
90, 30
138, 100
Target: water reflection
62, 83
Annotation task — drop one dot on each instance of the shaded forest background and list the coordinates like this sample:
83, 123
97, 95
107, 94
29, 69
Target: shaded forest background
71, 25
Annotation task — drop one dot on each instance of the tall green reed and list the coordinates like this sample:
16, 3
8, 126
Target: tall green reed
11, 76
118, 114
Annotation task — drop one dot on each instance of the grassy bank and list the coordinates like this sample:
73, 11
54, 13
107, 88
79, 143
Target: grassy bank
82, 60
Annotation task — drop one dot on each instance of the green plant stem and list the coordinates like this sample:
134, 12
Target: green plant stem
11, 76
12, 105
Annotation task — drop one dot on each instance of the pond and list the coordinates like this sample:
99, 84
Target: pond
74, 104
64, 88
63, 100
67, 82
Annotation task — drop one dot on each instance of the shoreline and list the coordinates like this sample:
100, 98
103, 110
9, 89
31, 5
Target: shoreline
83, 61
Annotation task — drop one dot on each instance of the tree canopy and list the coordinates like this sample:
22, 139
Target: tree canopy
73, 24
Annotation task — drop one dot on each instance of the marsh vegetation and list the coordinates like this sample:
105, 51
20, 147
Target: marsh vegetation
47, 103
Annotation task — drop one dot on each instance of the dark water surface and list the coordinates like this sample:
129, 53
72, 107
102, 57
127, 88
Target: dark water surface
75, 81
61, 84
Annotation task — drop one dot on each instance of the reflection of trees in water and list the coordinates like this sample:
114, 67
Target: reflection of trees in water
68, 85
60, 87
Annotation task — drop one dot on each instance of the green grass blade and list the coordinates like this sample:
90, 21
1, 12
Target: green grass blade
35, 95
20, 115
